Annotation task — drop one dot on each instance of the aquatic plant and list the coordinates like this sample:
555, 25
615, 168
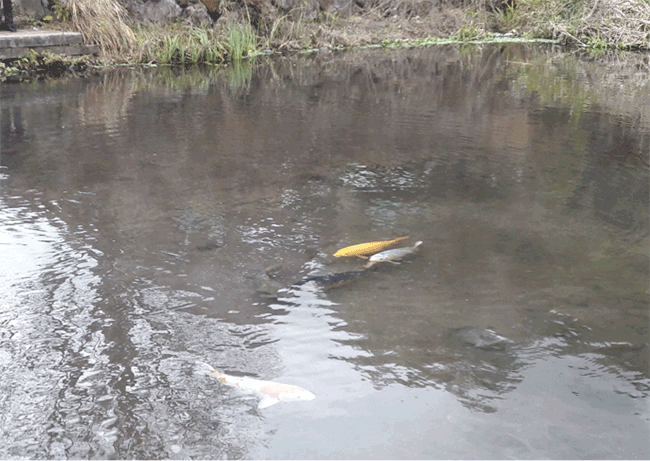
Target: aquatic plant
241, 41
240, 74
172, 50
207, 46
178, 45
40, 65
468, 33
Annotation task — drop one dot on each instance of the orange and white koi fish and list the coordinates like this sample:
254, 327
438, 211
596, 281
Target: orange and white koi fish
392, 256
363, 249
269, 392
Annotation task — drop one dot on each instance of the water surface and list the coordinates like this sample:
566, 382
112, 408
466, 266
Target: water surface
150, 219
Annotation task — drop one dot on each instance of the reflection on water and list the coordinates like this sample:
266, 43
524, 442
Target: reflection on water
149, 220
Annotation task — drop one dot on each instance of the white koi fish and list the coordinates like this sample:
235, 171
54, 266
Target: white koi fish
270, 392
392, 256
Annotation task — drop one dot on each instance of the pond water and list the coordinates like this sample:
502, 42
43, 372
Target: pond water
152, 219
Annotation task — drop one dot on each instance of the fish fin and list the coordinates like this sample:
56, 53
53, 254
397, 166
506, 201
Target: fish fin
417, 244
267, 402
361, 256
202, 369
393, 262
369, 265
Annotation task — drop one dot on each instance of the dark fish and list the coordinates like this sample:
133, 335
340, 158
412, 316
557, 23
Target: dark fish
329, 281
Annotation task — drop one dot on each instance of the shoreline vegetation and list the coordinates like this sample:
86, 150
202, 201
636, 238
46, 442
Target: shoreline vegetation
249, 28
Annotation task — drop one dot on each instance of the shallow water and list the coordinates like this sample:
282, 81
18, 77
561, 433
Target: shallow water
152, 219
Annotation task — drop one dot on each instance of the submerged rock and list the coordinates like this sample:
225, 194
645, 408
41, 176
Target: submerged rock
209, 246
480, 338
266, 286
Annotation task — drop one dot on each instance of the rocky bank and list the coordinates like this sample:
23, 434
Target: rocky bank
348, 22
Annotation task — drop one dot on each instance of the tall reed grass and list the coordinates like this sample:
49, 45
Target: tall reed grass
102, 22
179, 45
241, 41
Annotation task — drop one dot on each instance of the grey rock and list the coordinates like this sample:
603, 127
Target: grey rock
209, 246
155, 10
265, 286
36, 8
197, 15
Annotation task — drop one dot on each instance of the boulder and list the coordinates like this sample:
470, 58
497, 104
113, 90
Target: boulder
154, 10
197, 15
34, 8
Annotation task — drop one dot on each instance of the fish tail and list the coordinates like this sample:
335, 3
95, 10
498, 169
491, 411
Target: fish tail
203, 369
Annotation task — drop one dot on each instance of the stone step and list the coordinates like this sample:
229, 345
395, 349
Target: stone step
17, 44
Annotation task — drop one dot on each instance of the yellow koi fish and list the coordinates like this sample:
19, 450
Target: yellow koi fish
269, 392
363, 249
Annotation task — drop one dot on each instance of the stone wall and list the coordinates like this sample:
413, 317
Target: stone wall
206, 12
35, 8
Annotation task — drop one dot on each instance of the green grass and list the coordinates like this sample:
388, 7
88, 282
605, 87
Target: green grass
177, 45
241, 41
469, 33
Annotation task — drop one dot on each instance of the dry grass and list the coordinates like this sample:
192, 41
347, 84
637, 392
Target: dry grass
101, 22
620, 23
590, 23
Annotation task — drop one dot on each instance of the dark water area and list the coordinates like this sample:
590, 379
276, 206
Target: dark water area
150, 219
